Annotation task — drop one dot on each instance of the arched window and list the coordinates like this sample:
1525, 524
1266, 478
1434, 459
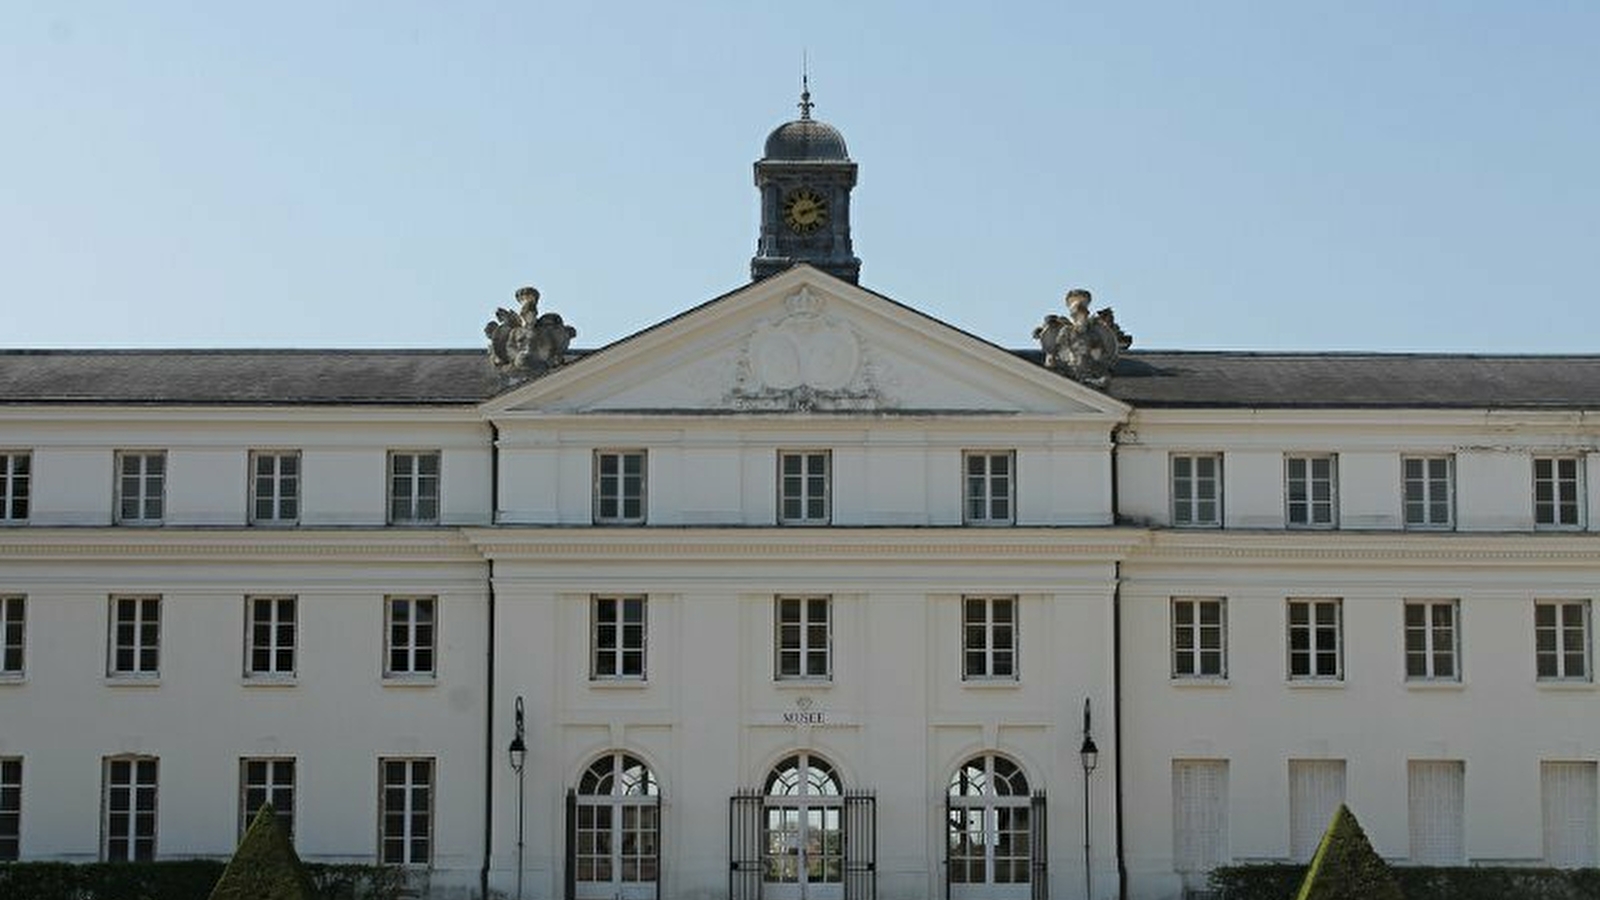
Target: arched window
617, 828
989, 832
803, 829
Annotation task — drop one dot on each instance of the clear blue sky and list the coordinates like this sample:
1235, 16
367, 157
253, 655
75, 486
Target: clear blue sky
1356, 176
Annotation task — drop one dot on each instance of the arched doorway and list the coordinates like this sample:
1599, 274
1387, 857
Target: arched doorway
614, 827
994, 830
803, 830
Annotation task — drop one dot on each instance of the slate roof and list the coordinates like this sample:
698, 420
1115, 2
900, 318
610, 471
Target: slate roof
1153, 378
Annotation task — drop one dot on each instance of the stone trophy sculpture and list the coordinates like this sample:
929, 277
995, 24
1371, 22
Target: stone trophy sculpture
1082, 347
524, 343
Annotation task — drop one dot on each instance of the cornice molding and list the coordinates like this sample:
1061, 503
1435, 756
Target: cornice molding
1373, 548
445, 545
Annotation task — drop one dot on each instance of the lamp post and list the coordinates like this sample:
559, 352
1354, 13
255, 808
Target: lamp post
1089, 756
519, 758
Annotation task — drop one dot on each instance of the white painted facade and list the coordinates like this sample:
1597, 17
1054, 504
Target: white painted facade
1088, 560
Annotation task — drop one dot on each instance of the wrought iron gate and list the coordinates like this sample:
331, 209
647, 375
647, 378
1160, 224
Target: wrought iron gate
744, 845
860, 845
1039, 848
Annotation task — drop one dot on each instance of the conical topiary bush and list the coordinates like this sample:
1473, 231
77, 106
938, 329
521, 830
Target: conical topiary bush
1346, 867
265, 867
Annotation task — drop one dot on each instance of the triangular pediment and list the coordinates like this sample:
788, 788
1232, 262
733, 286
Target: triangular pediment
804, 341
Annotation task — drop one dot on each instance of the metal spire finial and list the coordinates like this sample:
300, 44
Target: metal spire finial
805, 87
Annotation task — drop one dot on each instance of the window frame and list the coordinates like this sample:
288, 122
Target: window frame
271, 788
1555, 504
276, 478
144, 479
1197, 650
11, 785
138, 671
805, 498
803, 652
989, 627
1559, 653
987, 481
274, 624
16, 487
411, 671
619, 649
134, 784
1429, 631
407, 836
619, 480
416, 479
1309, 502
1428, 501
10, 625
1191, 498
1313, 651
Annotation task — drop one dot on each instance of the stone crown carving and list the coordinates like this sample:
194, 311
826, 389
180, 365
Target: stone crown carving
1082, 347
524, 343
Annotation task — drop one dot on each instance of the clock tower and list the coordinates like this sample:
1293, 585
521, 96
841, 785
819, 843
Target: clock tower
805, 179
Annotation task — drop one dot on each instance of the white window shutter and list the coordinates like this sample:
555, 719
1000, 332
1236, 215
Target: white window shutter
1570, 810
1316, 788
1199, 814
1437, 799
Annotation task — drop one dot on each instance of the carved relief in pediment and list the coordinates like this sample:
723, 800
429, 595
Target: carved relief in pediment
805, 360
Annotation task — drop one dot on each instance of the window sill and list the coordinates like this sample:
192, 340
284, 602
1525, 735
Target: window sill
270, 681
618, 684
992, 684
13, 678
802, 684
1439, 684
410, 681
1200, 681
1573, 684
274, 523
1315, 684
133, 681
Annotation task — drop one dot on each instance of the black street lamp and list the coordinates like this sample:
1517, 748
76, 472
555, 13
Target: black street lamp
1089, 755
519, 758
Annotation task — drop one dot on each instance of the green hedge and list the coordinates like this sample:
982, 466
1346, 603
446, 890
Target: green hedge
179, 880
1279, 881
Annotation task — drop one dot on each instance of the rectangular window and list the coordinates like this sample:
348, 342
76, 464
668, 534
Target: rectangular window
1199, 815
270, 637
141, 487
405, 812
1561, 639
263, 781
1568, 791
1557, 492
10, 809
13, 626
1316, 642
410, 636
1436, 791
803, 490
989, 638
1316, 788
804, 637
1429, 491
16, 469
1197, 490
1199, 637
617, 637
990, 487
1433, 640
135, 637
1311, 490
414, 488
619, 487
128, 816
274, 487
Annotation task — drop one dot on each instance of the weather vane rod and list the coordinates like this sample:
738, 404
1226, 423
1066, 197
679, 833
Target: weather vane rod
805, 86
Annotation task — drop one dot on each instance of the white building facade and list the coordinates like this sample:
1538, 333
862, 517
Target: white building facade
800, 593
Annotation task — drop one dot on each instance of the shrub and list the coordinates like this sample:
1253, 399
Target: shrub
265, 866
1346, 867
188, 879
1278, 881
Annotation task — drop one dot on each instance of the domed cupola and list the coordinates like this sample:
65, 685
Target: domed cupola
805, 179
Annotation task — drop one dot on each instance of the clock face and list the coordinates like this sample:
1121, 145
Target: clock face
805, 211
